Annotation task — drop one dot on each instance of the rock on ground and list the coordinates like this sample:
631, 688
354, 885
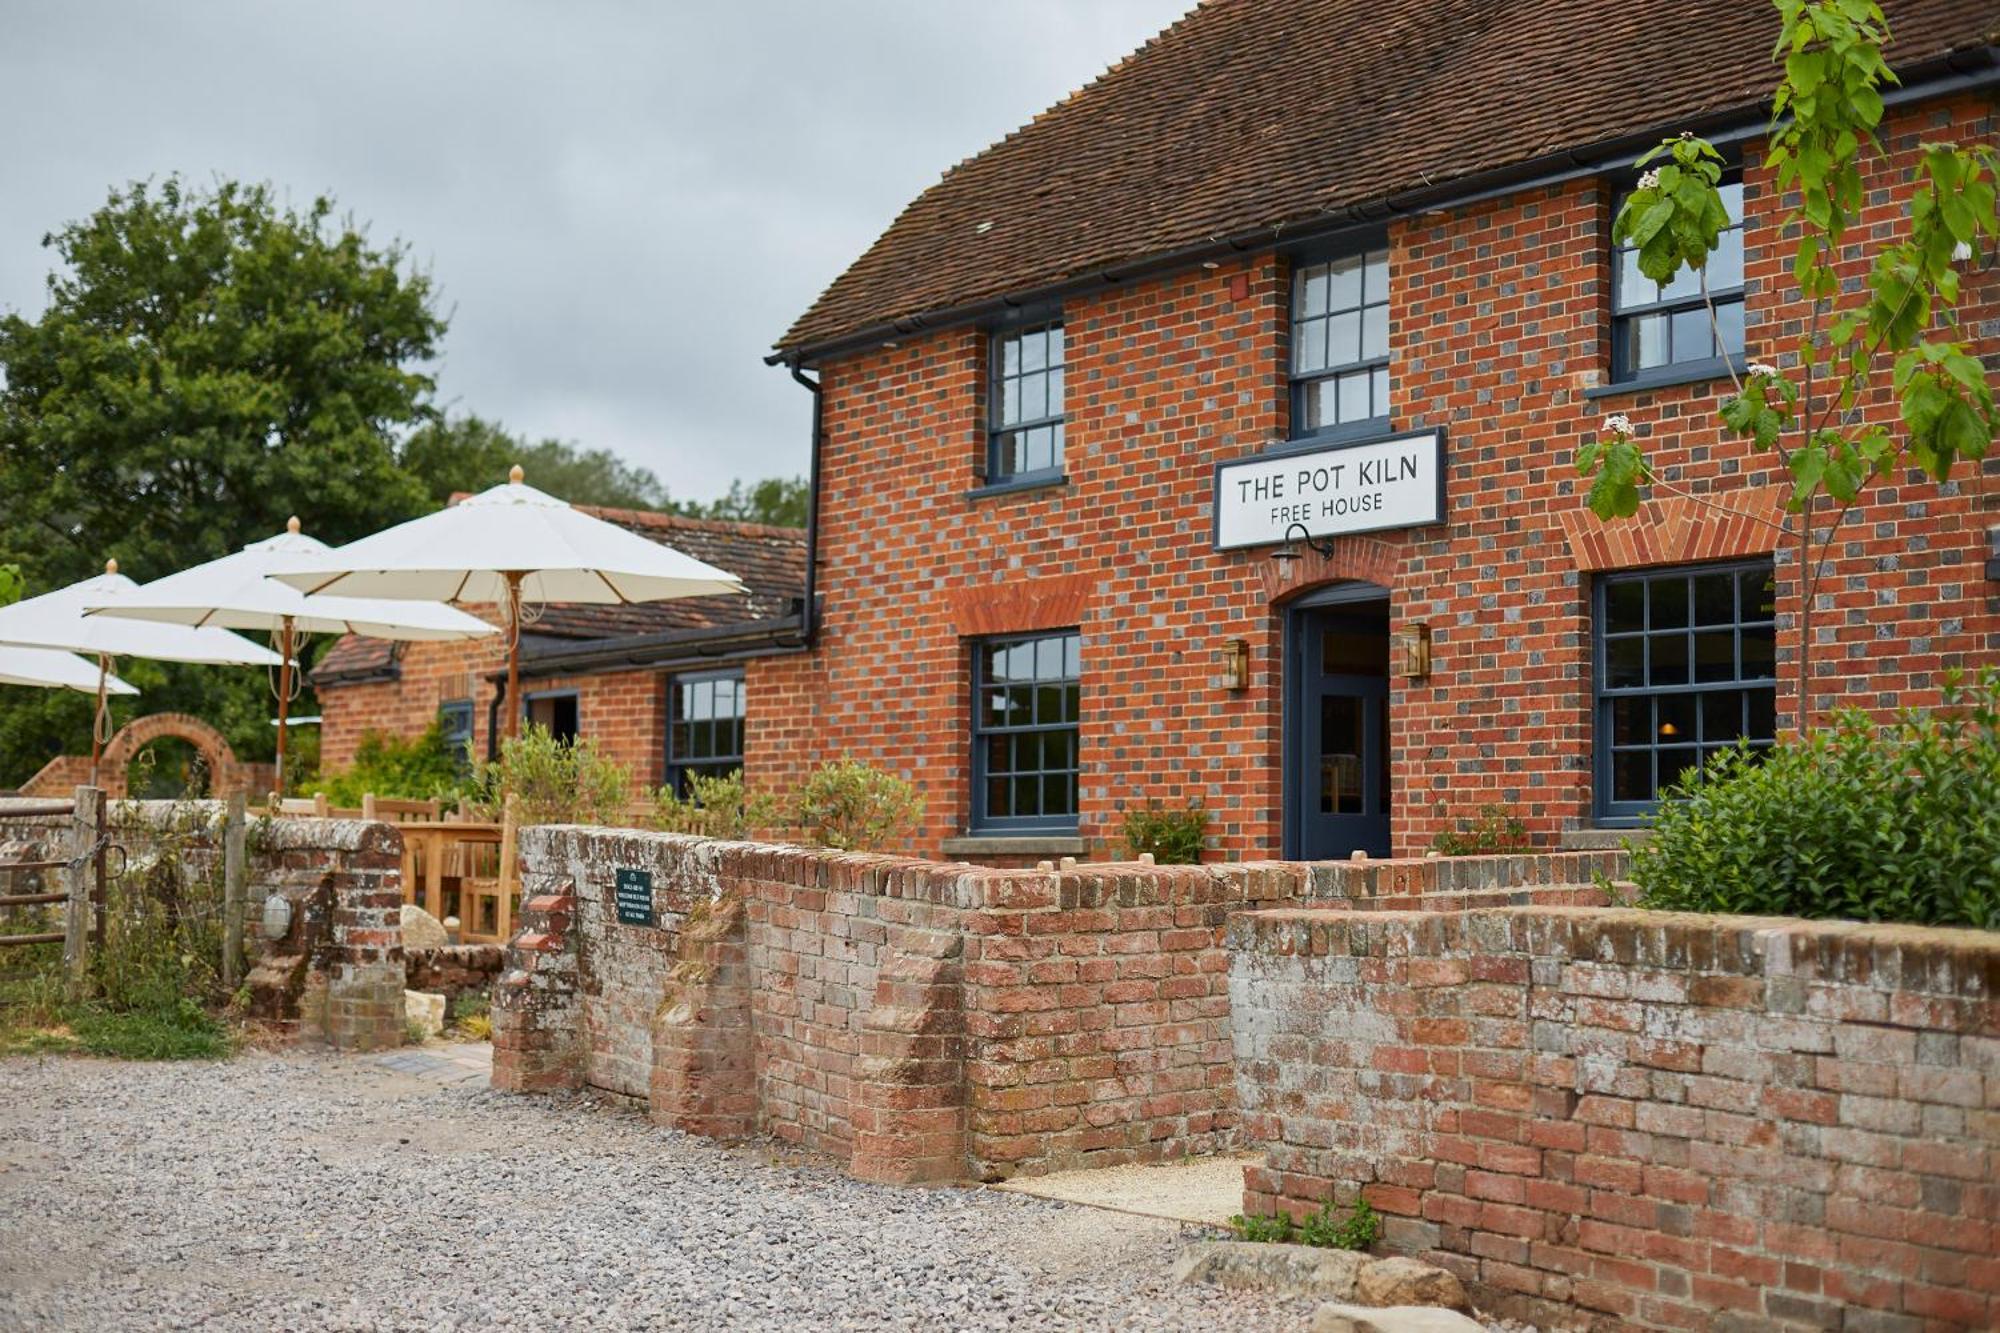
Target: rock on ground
425, 1010
421, 930
1402, 1281
316, 1192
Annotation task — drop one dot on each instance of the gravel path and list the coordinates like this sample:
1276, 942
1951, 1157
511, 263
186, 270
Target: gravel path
310, 1192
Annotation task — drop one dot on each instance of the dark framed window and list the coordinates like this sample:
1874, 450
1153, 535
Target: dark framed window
1686, 665
1340, 345
1025, 427
1025, 695
557, 712
1663, 329
704, 725
455, 723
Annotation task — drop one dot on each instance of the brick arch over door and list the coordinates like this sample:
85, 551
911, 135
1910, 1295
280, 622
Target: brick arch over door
1354, 559
226, 775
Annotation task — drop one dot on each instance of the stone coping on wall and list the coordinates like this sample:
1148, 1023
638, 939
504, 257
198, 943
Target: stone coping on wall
1961, 963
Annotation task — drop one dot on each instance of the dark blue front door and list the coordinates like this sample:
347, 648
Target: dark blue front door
1337, 783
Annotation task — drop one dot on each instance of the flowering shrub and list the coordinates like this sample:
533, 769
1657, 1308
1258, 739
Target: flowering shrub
853, 807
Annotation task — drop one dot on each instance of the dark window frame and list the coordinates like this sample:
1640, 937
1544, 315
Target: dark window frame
1625, 317
1301, 384
465, 735
529, 700
677, 766
1605, 696
999, 431
981, 820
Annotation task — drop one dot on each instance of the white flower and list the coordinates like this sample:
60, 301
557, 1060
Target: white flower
1649, 181
1618, 424
1763, 368
1961, 252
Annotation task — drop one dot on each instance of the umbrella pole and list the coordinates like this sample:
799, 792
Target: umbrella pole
512, 723
284, 694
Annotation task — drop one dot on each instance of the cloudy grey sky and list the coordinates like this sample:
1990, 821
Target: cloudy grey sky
623, 203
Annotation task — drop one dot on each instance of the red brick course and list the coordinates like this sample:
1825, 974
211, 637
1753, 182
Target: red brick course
1651, 1117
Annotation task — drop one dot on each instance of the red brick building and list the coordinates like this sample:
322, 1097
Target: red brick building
1348, 264
658, 686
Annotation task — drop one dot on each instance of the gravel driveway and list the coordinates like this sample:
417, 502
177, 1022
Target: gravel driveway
305, 1192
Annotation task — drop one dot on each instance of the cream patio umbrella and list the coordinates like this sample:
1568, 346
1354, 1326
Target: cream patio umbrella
241, 591
507, 545
51, 668
57, 620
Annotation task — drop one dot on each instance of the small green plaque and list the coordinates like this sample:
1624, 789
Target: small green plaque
634, 892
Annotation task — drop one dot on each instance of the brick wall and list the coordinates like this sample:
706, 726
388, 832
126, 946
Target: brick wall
1500, 323
1664, 1121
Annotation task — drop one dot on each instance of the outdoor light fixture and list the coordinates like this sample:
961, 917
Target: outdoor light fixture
277, 916
1413, 648
1289, 552
1235, 664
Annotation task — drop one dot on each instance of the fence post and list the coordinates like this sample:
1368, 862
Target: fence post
510, 878
85, 870
233, 874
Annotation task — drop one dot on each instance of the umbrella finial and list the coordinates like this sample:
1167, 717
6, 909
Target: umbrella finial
292, 525
111, 566
516, 473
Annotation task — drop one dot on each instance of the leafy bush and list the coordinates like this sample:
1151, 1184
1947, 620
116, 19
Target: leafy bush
1493, 831
854, 807
715, 807
553, 781
1172, 836
1357, 1229
413, 769
1897, 823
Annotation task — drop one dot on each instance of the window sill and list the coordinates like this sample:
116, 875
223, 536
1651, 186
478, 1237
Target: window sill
1014, 844
1038, 481
1606, 835
1340, 437
1699, 372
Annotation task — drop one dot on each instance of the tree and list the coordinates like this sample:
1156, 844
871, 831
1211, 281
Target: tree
780, 501
209, 363
471, 453
1811, 410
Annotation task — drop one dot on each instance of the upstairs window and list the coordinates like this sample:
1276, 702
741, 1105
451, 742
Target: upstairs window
1663, 329
1026, 430
1687, 664
1024, 732
704, 726
455, 725
1340, 345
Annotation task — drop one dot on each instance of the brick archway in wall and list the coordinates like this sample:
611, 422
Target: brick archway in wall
226, 774
1362, 559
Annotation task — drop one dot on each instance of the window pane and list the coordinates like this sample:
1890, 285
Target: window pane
1034, 350
1676, 718
1760, 654
1632, 286
1729, 319
1714, 655
1669, 597
1345, 285
1010, 402
1624, 606
1631, 721
1721, 716
1343, 339
1725, 262
1632, 775
1625, 663
1692, 340
1026, 795
1714, 599
1649, 339
1685, 283
1354, 397
999, 754
1374, 332
1675, 761
1072, 655
1309, 346
1313, 284
1376, 286
997, 804
1763, 714
1048, 659
1759, 590
1732, 199
1034, 397
1072, 701
1010, 356
1055, 398
1055, 794
1059, 749
1380, 392
1057, 345
1669, 659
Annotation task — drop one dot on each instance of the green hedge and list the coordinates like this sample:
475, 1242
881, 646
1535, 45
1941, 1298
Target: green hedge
1857, 821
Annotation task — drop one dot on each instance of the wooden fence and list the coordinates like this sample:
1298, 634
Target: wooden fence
82, 878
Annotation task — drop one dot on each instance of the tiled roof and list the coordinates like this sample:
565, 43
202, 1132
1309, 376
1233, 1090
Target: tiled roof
770, 561
1249, 115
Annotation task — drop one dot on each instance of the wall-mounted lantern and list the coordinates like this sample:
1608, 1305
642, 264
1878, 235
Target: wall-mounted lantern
277, 916
1413, 650
1235, 664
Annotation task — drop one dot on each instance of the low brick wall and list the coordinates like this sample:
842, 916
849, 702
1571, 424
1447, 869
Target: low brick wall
919, 1020
1662, 1121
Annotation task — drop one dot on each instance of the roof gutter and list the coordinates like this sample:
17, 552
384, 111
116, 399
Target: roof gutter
1962, 71
756, 638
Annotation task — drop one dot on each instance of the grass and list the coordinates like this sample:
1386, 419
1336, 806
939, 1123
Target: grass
1356, 1230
